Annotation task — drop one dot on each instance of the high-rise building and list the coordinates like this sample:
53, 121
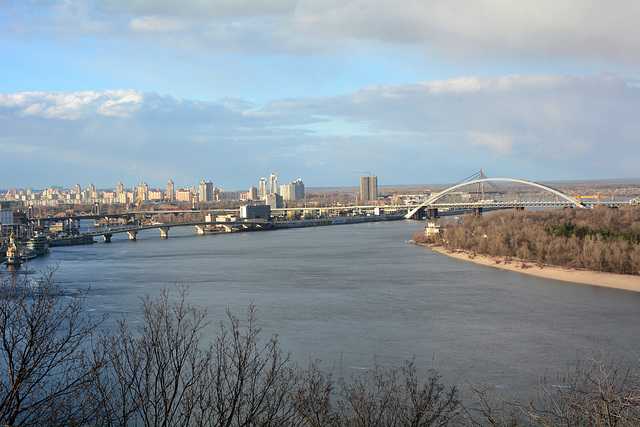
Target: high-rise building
368, 188
263, 188
299, 189
205, 191
273, 183
293, 191
171, 194
253, 193
78, 190
92, 191
119, 188
143, 190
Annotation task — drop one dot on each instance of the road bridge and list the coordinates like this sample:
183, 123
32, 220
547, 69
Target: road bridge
128, 215
228, 226
430, 203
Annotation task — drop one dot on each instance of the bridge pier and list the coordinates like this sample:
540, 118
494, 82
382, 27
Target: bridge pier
164, 232
132, 235
200, 229
519, 208
418, 214
477, 211
107, 238
432, 213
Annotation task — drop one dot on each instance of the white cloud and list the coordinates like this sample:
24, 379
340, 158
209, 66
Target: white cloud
158, 24
586, 30
120, 103
499, 143
534, 127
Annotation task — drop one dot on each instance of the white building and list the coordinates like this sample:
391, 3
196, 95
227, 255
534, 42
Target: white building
273, 183
205, 191
293, 191
263, 188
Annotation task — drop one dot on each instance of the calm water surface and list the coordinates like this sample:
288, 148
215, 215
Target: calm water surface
344, 294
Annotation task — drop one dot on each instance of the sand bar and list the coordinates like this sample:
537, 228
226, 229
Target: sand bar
609, 280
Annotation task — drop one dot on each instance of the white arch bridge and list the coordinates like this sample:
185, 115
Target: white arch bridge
430, 203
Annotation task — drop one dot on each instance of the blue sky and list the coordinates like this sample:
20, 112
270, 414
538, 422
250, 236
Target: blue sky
416, 91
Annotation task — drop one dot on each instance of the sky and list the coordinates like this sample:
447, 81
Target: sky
413, 91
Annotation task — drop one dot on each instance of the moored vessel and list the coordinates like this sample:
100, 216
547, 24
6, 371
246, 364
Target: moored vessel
39, 244
27, 254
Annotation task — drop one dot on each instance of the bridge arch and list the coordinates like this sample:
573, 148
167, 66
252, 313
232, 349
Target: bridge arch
443, 193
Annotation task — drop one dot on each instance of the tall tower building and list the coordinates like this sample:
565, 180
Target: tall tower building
263, 188
273, 183
205, 191
143, 191
78, 190
253, 193
299, 189
92, 191
171, 193
293, 191
119, 189
368, 188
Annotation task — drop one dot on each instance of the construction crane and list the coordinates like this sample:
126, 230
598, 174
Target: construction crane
367, 173
139, 202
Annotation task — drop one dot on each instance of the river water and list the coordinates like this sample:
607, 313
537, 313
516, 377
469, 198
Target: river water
345, 294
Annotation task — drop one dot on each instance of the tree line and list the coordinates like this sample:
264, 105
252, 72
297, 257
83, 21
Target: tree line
600, 239
57, 368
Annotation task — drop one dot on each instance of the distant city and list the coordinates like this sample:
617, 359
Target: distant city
268, 191
205, 191
31, 221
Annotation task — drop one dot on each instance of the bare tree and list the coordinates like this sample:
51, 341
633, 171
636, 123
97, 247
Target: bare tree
593, 392
391, 397
491, 409
599, 239
165, 374
46, 364
249, 383
155, 373
314, 398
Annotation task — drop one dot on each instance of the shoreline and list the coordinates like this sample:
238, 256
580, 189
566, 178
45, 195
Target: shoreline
593, 278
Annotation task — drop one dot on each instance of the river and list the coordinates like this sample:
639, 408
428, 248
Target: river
345, 294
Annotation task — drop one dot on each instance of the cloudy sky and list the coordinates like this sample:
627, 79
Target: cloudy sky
415, 91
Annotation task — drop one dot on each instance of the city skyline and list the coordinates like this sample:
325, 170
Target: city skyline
428, 92
142, 192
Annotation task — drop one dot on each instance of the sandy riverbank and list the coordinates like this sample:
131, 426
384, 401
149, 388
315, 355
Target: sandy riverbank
618, 281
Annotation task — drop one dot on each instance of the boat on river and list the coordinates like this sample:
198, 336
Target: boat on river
27, 254
72, 240
39, 244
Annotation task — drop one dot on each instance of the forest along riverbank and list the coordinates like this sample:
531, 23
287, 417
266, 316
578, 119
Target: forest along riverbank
618, 281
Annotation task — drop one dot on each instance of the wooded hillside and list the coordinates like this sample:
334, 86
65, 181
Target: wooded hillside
599, 239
